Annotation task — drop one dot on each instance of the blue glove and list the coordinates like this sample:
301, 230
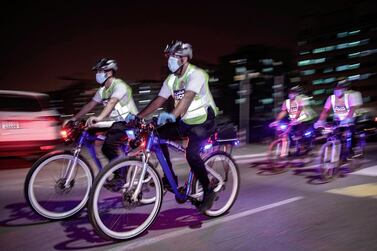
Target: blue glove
130, 117
165, 117
318, 124
346, 121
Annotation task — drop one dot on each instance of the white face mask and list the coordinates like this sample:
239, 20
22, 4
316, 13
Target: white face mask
174, 64
101, 77
338, 93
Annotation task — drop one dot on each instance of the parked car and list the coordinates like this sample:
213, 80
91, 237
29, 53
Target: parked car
27, 125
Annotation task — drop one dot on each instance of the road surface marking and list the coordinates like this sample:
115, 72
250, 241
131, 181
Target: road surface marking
361, 191
153, 240
369, 171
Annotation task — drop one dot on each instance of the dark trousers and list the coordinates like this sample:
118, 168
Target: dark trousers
114, 138
197, 134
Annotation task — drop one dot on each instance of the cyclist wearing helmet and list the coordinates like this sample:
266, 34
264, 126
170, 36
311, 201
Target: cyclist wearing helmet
193, 114
297, 108
343, 103
116, 96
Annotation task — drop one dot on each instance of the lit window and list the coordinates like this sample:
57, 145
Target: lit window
324, 49
308, 72
317, 81
266, 101
304, 62
354, 32
353, 55
342, 34
319, 92
347, 67
328, 80
342, 46
269, 69
304, 52
345, 34
311, 61
240, 69
354, 77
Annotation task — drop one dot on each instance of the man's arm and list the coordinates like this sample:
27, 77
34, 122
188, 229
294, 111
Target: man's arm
85, 109
152, 106
108, 108
184, 104
281, 115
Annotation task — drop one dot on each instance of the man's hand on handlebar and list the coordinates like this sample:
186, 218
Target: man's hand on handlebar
165, 117
91, 121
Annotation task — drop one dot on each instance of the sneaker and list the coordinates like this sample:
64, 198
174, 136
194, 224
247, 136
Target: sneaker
208, 199
166, 183
114, 184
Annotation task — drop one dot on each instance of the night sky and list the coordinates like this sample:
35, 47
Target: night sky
45, 41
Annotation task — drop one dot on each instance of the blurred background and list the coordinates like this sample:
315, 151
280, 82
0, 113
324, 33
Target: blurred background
254, 52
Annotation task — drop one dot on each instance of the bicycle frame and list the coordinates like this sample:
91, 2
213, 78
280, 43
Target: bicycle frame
86, 140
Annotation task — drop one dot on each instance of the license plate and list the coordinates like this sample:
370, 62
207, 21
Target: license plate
10, 125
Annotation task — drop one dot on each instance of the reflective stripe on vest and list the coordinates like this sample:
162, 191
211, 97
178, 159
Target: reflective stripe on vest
292, 115
197, 111
340, 114
122, 108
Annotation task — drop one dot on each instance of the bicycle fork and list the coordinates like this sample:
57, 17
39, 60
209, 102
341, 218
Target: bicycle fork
71, 170
145, 158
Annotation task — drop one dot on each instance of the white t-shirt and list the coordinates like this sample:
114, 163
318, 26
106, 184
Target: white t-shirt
123, 92
341, 110
195, 83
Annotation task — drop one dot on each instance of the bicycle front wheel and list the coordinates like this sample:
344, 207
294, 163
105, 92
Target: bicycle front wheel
328, 167
46, 188
224, 177
118, 212
275, 157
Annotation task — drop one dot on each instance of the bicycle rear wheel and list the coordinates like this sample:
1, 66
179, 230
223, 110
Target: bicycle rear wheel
45, 189
224, 177
114, 213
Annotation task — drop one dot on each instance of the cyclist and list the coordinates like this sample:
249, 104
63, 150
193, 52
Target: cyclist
344, 103
116, 96
193, 115
299, 112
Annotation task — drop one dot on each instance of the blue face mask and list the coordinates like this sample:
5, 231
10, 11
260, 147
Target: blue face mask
174, 64
292, 95
338, 92
101, 77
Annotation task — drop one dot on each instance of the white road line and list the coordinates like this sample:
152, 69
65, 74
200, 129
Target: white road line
369, 171
250, 155
150, 241
234, 156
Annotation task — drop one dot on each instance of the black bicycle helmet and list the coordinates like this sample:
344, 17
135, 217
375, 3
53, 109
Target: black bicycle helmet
179, 48
105, 64
343, 84
297, 89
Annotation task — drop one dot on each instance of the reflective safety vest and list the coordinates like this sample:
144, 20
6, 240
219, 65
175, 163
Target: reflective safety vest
341, 110
293, 110
125, 105
197, 111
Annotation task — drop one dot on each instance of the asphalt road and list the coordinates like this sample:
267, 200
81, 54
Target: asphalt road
287, 211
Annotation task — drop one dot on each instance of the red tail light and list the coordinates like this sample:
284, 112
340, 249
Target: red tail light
64, 134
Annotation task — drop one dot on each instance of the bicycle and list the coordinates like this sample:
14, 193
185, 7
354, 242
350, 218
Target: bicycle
122, 215
338, 150
57, 185
280, 150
